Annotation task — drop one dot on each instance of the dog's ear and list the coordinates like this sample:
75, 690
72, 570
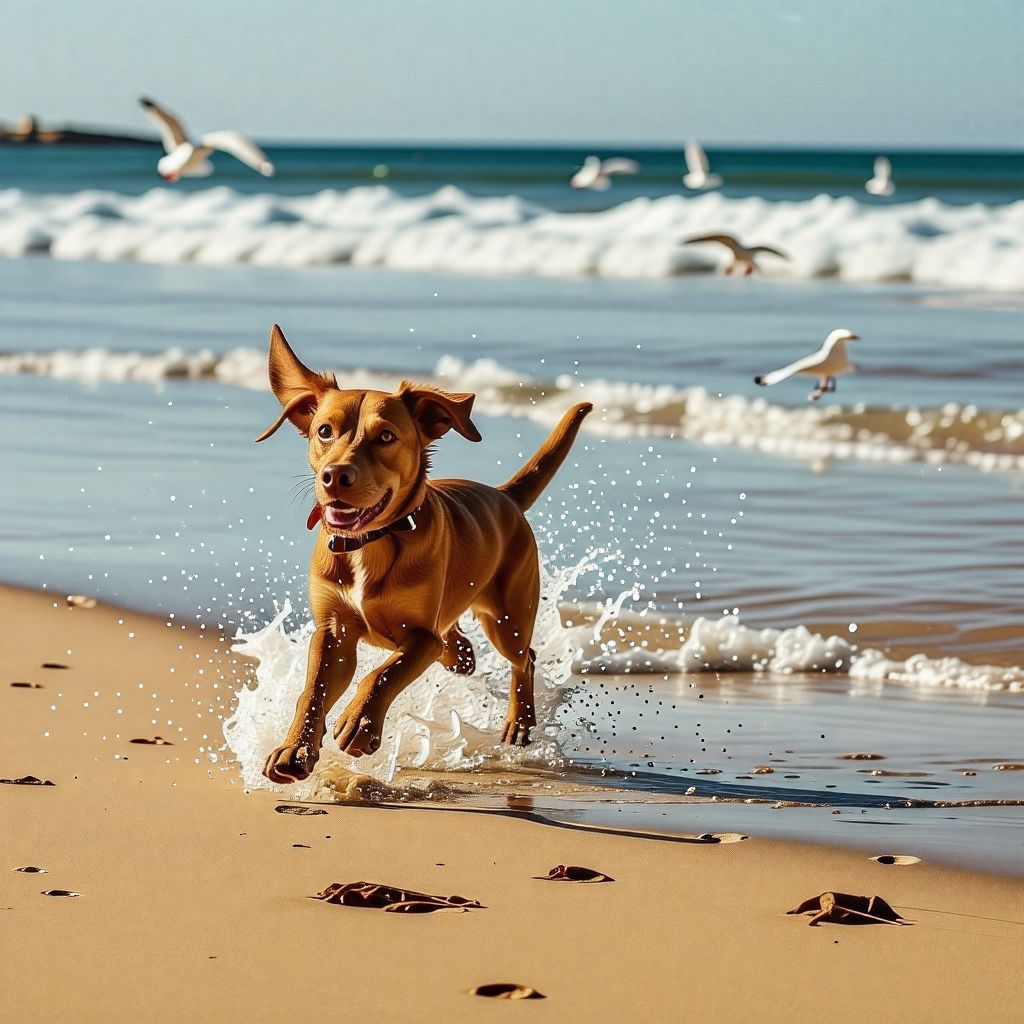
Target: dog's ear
438, 411
297, 387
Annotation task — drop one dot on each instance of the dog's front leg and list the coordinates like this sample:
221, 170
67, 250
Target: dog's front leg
332, 662
361, 724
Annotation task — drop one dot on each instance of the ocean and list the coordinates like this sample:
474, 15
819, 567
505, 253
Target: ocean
738, 580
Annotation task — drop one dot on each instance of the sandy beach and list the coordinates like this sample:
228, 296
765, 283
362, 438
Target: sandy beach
194, 895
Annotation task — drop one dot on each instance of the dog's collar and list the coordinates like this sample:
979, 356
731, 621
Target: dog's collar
341, 545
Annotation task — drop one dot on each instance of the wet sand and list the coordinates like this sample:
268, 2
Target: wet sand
193, 896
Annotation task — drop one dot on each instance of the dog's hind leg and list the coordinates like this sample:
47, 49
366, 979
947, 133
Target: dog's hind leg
458, 656
511, 635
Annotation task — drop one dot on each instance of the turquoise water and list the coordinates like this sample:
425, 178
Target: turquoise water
537, 174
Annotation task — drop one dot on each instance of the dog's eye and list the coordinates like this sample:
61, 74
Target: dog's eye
386, 437
324, 431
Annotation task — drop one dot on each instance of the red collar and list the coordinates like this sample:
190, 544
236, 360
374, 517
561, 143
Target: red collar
340, 545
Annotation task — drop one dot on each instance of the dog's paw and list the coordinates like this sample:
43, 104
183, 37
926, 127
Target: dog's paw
458, 655
357, 733
290, 763
517, 733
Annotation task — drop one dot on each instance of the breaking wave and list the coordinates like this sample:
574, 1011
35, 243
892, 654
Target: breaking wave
985, 439
976, 247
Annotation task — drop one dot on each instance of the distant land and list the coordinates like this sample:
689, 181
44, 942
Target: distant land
27, 132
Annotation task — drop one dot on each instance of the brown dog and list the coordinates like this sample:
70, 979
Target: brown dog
399, 558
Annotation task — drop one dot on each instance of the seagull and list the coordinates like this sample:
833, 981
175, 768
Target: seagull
881, 184
826, 364
597, 173
742, 256
698, 176
186, 158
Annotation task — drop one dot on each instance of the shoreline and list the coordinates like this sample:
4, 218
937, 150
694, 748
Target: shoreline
194, 894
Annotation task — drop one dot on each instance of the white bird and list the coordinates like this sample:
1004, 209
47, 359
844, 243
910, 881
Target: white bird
881, 184
742, 255
826, 364
698, 171
188, 159
597, 173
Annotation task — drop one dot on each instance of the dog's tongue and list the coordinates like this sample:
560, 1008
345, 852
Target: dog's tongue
314, 517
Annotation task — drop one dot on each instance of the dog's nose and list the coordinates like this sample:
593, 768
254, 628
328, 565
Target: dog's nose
343, 475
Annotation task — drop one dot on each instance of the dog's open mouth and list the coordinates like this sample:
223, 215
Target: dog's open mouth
339, 516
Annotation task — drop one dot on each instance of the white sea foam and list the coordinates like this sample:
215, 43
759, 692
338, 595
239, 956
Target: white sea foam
444, 721
953, 434
976, 247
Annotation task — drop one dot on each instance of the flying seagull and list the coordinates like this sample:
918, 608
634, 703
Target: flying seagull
881, 184
826, 364
742, 255
597, 173
187, 159
698, 171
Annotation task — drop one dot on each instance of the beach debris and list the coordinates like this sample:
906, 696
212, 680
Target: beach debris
31, 870
845, 908
152, 741
708, 771
391, 899
26, 780
713, 838
22, 685
1008, 767
968, 771
81, 601
53, 665
763, 769
506, 990
298, 809
862, 757
301, 846
60, 892
895, 858
574, 873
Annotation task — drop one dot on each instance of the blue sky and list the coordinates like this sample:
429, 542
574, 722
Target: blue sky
870, 72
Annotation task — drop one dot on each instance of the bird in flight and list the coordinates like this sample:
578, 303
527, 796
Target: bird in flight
698, 174
597, 174
826, 364
743, 257
188, 159
881, 184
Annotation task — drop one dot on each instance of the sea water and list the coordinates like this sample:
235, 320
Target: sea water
736, 580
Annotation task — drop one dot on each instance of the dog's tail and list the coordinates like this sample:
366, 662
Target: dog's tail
526, 486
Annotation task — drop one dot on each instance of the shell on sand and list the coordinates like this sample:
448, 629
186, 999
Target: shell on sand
847, 908
574, 873
506, 990
81, 601
895, 858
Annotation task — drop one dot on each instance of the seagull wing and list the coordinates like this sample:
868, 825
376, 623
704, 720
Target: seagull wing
240, 148
172, 135
883, 167
696, 159
619, 165
769, 249
727, 240
807, 363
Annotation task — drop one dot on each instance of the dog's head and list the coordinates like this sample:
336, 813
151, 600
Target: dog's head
369, 450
